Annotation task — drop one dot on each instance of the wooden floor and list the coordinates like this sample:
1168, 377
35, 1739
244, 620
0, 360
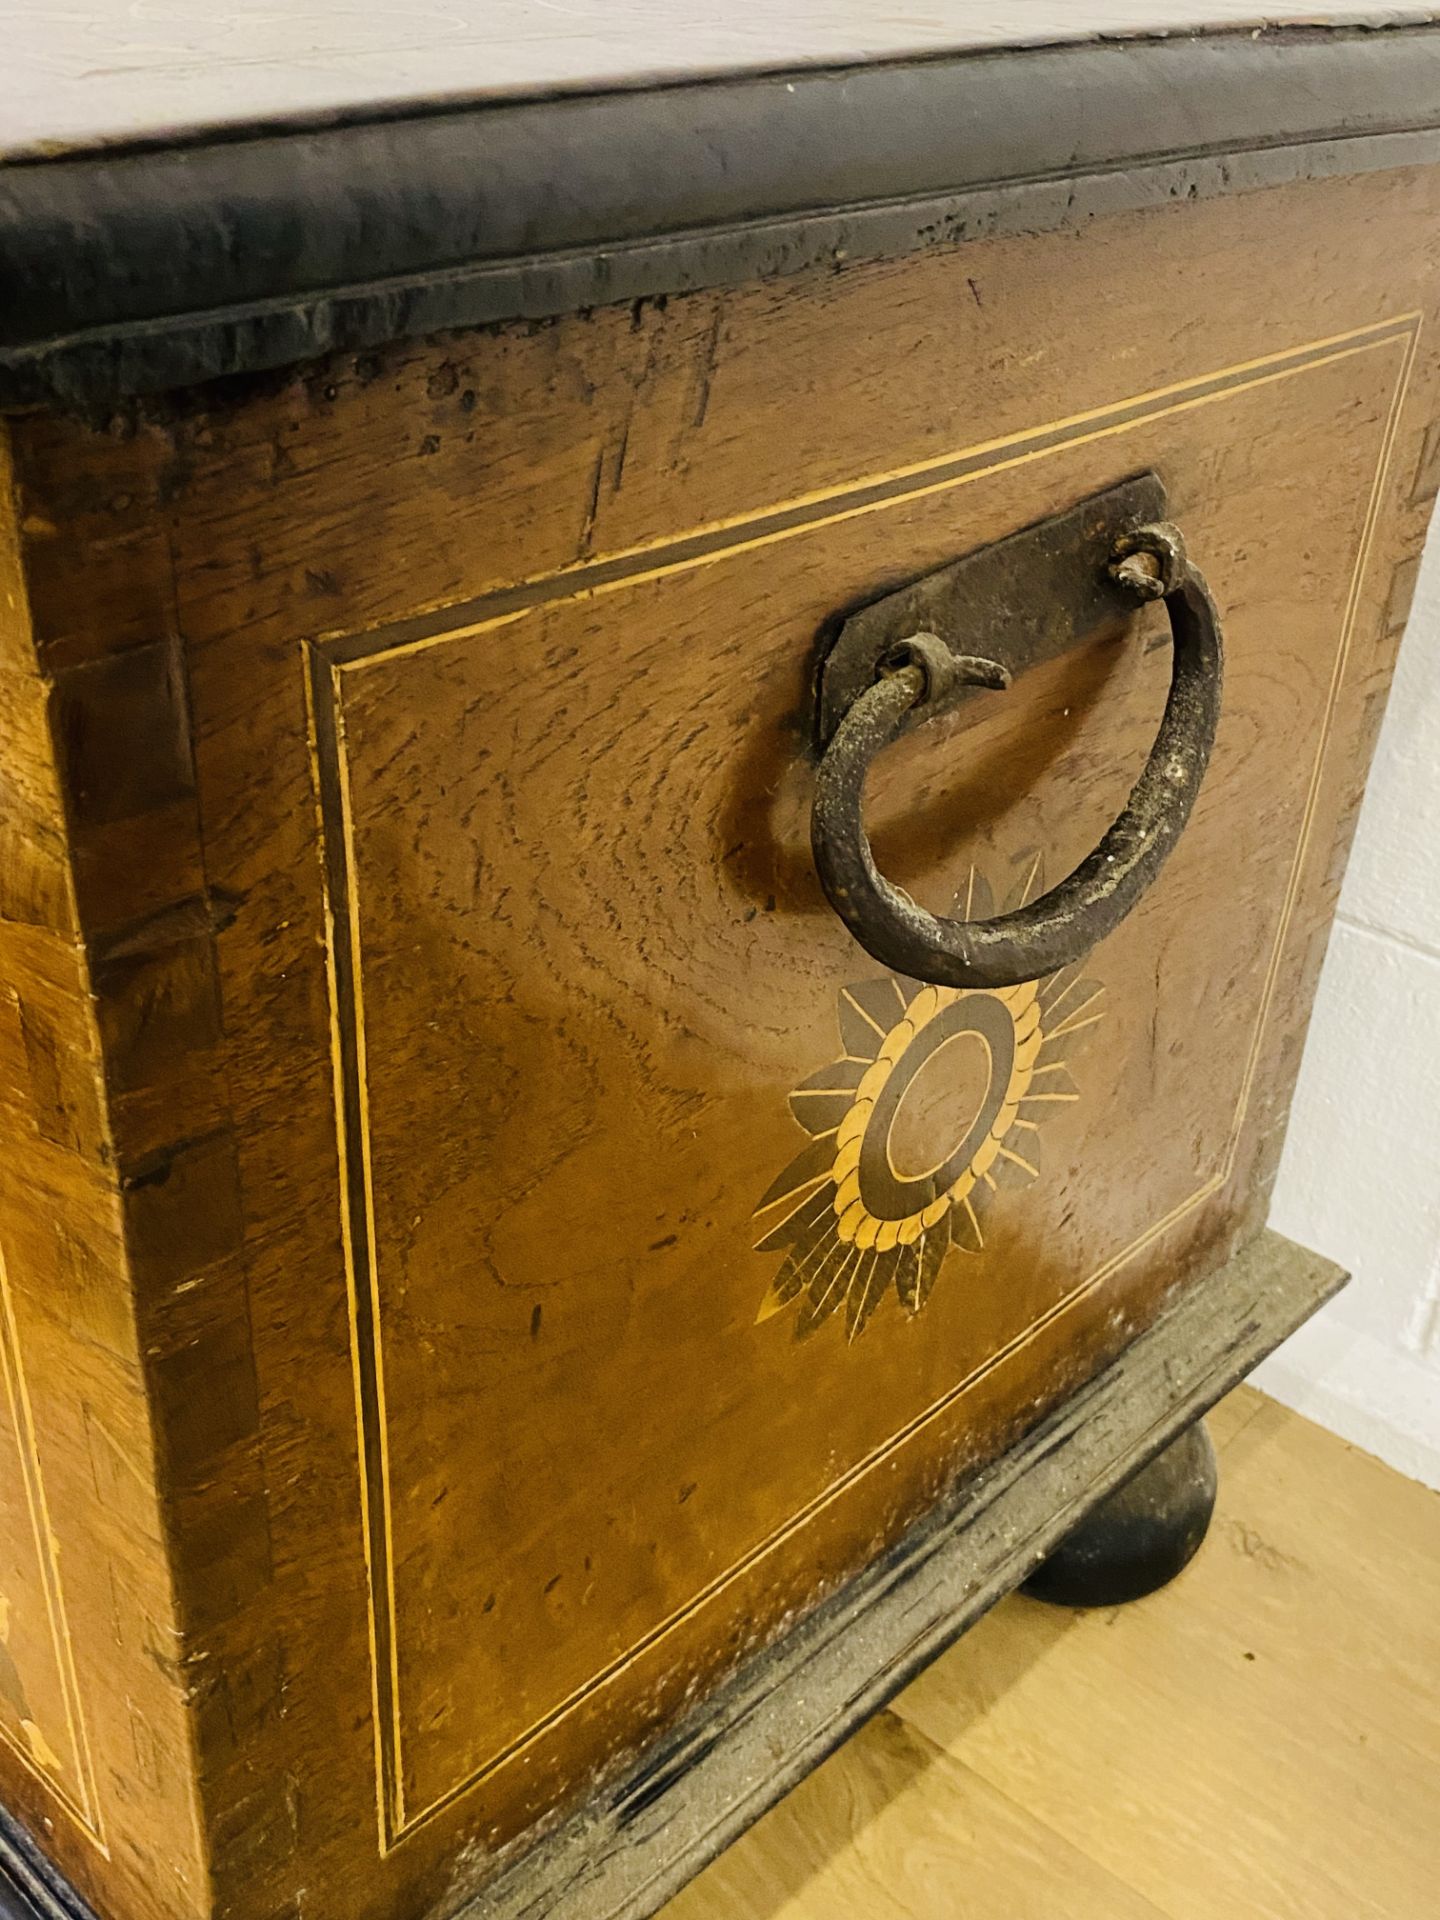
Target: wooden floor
1261, 1741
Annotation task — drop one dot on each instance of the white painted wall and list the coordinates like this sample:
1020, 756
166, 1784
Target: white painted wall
1360, 1177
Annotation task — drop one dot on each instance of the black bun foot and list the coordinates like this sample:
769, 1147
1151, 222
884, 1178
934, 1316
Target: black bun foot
1140, 1536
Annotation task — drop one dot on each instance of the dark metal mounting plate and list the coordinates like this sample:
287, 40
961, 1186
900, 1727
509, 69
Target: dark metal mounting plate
1022, 600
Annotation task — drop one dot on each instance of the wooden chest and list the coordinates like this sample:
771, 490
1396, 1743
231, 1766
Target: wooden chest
510, 1313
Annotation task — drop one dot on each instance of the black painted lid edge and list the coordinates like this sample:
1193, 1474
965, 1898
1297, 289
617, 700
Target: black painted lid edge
132, 273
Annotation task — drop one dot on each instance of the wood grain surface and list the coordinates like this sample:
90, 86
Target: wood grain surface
894, 1829
430, 733
638, 1840
1260, 1738
95, 1728
594, 1017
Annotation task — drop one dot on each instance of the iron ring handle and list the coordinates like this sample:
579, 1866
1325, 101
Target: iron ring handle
1061, 926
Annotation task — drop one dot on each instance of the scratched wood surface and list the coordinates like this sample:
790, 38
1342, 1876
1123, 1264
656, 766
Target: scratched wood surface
94, 1727
473, 1455
594, 1011
1280, 1695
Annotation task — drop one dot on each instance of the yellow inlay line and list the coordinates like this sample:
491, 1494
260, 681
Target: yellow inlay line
869, 1019
363, 1094
1072, 1025
688, 562
85, 1813
1077, 430
1332, 699
347, 1241
1020, 1161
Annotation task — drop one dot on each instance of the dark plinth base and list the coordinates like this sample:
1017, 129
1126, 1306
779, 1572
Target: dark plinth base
30, 1887
640, 1838
1139, 1537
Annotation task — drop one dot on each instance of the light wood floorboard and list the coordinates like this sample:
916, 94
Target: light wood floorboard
1261, 1741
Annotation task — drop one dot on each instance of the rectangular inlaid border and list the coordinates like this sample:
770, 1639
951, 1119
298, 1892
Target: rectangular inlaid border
328, 661
84, 1812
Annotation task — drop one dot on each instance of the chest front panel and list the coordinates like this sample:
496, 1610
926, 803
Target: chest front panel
636, 1376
